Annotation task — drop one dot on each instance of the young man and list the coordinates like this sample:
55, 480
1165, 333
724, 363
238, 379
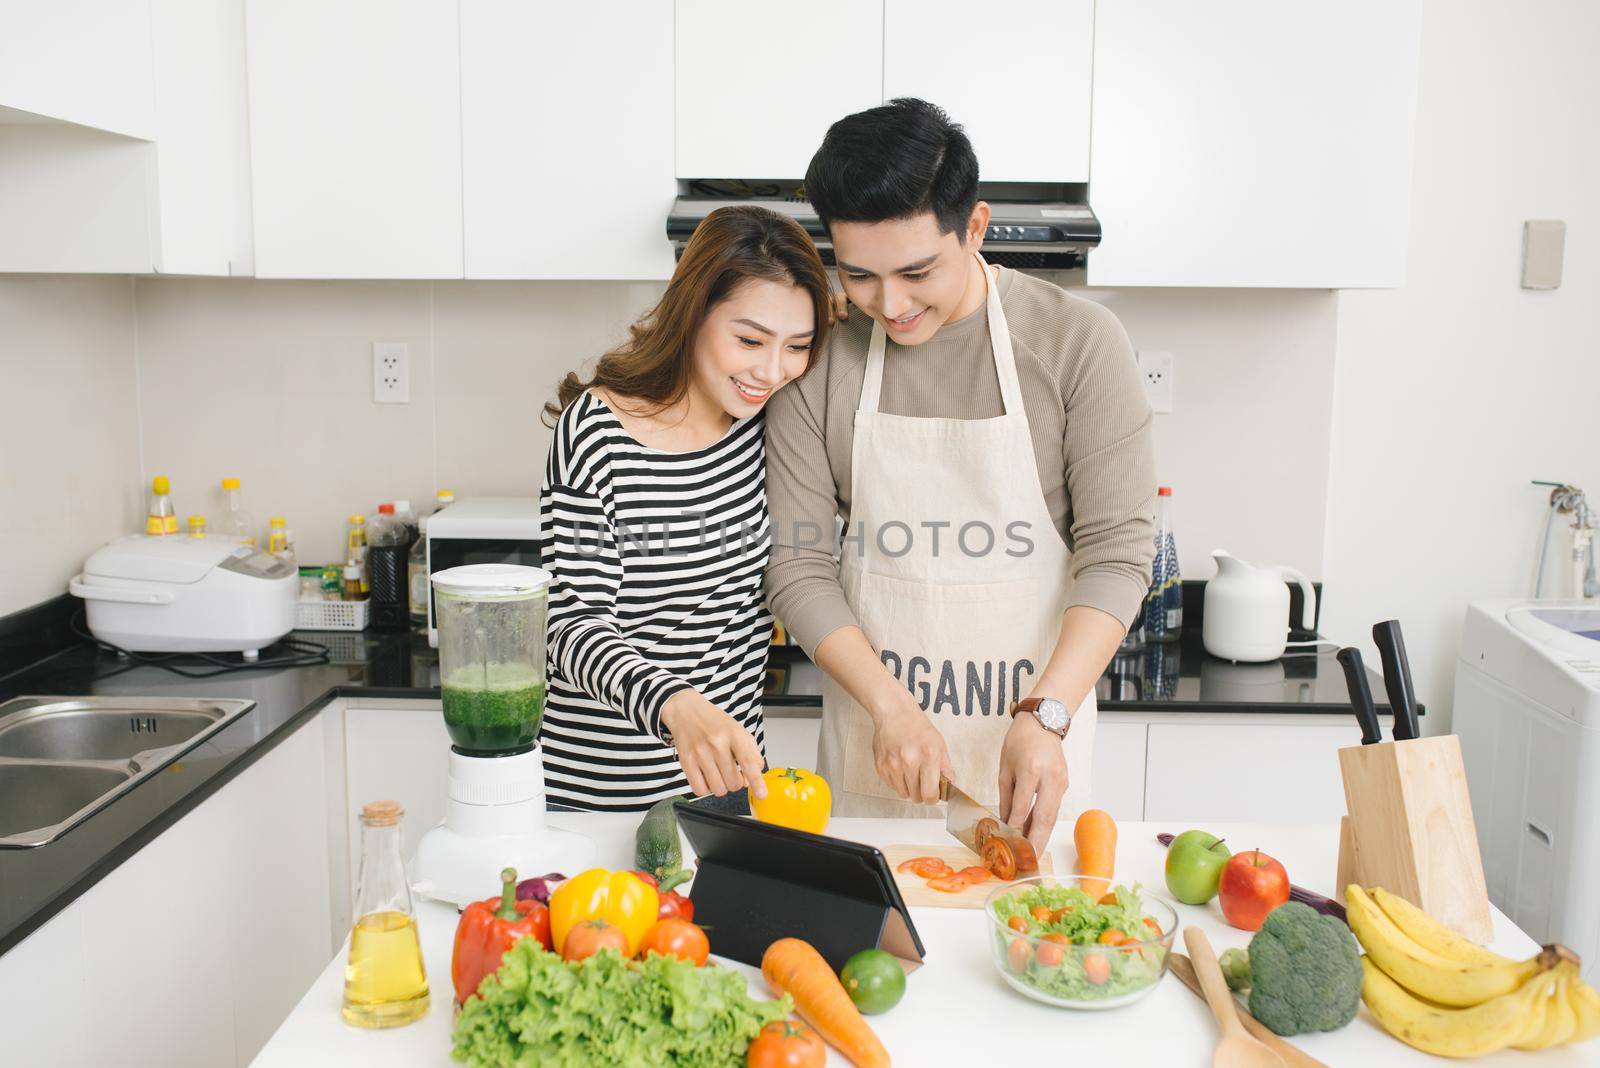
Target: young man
985, 438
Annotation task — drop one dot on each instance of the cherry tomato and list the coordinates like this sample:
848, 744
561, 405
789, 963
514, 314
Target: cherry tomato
1018, 924
1050, 951
1018, 954
673, 937
981, 833
1112, 937
1043, 914
1097, 968
590, 937
1109, 898
998, 858
1061, 913
786, 1044
1153, 925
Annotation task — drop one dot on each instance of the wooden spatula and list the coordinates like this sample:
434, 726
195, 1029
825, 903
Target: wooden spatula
1236, 1048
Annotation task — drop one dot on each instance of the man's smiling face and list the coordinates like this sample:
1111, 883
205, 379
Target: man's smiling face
906, 274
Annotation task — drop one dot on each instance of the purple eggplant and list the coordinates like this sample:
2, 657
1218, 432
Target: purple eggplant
539, 889
1325, 905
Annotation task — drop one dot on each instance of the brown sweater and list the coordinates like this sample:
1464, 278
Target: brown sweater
1087, 412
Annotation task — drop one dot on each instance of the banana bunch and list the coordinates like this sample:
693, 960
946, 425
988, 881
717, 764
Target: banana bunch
1441, 993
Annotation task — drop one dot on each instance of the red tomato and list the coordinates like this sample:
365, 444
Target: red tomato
590, 937
1112, 937
1252, 885
1018, 924
1018, 954
1097, 968
1042, 913
673, 937
786, 1044
1050, 951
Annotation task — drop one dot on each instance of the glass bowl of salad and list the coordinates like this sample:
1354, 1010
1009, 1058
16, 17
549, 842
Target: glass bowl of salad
1063, 945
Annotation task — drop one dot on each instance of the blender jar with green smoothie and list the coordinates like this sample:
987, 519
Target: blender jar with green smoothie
491, 655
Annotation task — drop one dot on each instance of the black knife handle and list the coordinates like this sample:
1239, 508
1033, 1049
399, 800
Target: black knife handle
1355, 680
1397, 677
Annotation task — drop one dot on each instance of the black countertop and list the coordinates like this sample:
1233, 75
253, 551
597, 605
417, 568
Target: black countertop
37, 883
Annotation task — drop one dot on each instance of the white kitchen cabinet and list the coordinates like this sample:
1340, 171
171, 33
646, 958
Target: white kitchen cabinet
1028, 118
1254, 143
758, 85
355, 138
85, 62
566, 139
1117, 775
193, 950
1285, 772
80, 199
398, 752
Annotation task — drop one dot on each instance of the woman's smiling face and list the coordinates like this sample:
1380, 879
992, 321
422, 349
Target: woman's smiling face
752, 344
905, 273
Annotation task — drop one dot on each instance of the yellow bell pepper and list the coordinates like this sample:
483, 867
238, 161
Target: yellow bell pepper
620, 898
795, 798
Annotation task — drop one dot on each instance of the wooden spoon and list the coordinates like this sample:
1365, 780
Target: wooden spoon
1237, 1048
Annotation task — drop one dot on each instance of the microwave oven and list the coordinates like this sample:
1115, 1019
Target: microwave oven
480, 530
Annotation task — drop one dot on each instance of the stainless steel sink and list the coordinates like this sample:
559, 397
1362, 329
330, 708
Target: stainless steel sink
62, 759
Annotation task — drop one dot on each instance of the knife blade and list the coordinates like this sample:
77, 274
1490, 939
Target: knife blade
961, 819
1397, 678
1355, 680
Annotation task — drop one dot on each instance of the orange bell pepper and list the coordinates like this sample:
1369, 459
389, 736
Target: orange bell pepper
620, 898
795, 798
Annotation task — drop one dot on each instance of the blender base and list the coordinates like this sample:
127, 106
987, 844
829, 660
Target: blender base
494, 819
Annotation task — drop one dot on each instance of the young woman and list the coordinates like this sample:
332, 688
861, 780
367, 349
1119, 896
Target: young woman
654, 524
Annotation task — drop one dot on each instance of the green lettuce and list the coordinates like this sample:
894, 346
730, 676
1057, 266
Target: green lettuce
539, 1010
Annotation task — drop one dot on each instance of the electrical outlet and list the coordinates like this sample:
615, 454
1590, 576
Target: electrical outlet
1156, 367
391, 372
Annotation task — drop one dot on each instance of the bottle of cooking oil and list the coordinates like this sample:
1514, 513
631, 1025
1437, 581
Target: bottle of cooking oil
384, 982
163, 517
197, 526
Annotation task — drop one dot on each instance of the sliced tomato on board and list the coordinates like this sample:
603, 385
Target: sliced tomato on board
926, 867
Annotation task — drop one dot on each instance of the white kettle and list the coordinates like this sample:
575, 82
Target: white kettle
1247, 609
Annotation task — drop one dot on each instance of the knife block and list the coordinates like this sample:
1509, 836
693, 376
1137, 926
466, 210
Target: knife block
1410, 830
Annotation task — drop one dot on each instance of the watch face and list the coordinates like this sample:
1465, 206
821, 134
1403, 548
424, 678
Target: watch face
1053, 714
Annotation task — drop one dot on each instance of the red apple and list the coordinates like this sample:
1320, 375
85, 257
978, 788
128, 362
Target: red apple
1253, 884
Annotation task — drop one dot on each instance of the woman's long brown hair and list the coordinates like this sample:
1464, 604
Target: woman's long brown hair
731, 246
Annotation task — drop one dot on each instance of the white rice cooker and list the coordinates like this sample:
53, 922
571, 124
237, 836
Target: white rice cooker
176, 594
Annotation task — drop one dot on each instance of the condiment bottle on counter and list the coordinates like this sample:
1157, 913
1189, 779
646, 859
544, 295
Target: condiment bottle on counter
356, 547
280, 540
351, 589
163, 517
239, 522
197, 526
1163, 605
384, 981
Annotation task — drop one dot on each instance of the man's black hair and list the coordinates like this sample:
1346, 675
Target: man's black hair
893, 162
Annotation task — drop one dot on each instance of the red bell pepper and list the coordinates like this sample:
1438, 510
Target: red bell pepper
490, 927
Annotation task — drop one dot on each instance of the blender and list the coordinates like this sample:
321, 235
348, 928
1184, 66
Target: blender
491, 620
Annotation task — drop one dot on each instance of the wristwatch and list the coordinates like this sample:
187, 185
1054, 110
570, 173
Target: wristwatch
1052, 715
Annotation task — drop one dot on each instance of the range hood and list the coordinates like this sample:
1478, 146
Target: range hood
1025, 232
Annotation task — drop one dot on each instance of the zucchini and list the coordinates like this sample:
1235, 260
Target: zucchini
656, 848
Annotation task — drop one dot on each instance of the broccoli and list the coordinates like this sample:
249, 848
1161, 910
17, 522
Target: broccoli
1303, 970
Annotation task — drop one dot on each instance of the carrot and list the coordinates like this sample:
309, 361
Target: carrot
1095, 835
791, 966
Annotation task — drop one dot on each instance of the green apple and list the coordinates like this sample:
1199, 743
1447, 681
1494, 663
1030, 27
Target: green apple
1194, 866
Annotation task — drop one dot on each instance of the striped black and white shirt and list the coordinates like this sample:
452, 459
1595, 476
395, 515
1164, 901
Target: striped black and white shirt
657, 561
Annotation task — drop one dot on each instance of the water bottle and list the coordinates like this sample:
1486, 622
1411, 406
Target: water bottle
1163, 604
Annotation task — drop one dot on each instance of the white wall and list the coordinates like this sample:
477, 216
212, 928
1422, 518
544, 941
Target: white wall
271, 381
69, 428
1452, 393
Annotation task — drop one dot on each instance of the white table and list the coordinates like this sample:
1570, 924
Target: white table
956, 1004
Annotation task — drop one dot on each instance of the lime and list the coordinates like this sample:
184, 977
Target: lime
874, 980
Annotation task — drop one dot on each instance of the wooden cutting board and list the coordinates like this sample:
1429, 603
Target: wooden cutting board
915, 889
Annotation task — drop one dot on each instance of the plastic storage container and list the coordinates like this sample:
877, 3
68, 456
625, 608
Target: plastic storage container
238, 523
491, 620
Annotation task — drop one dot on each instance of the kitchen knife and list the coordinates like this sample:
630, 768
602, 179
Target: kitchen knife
961, 819
1397, 678
1355, 680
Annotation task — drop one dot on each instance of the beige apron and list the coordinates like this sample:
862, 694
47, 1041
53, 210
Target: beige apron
959, 578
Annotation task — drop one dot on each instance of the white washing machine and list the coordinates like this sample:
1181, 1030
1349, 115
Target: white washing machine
1527, 710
